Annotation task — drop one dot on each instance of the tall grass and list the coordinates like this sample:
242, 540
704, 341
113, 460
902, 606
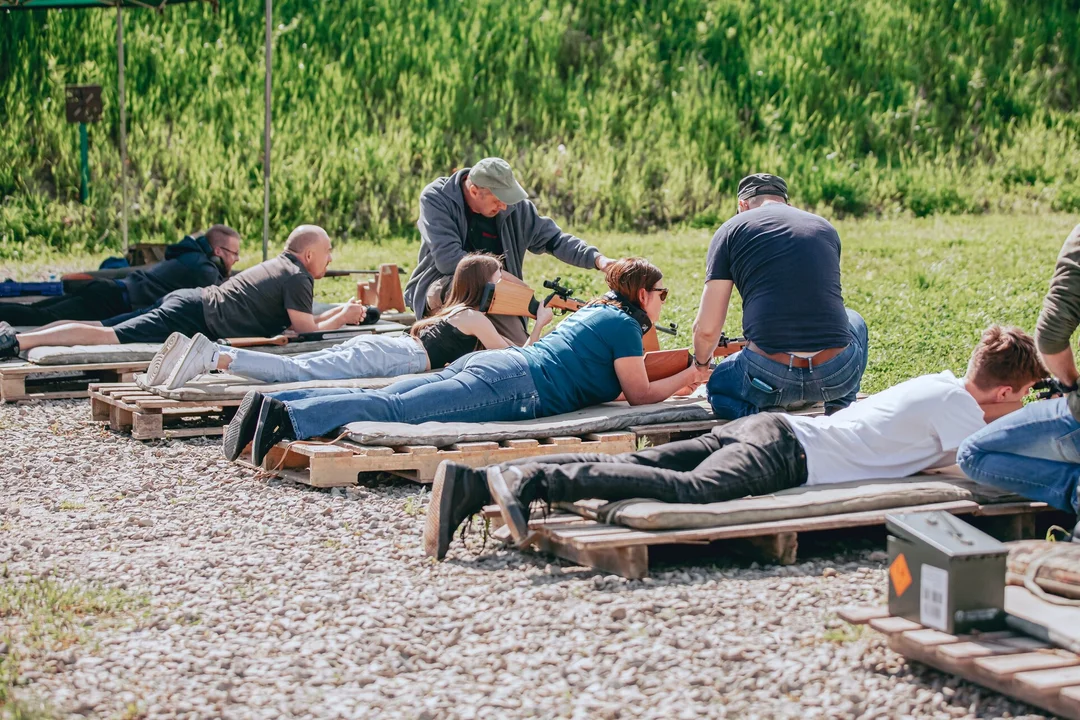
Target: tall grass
617, 114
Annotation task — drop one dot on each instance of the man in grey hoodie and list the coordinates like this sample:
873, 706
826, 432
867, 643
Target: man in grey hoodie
484, 209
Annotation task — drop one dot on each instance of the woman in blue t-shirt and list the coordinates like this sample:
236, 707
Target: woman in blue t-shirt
591, 357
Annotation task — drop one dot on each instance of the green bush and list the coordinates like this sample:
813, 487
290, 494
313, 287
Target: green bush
617, 114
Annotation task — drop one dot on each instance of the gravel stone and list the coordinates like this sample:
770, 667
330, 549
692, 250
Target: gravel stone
267, 599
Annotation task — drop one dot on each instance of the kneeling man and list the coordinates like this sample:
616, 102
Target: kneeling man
1036, 452
804, 346
911, 427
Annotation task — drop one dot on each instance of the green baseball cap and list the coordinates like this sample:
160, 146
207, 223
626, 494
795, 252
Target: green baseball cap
495, 175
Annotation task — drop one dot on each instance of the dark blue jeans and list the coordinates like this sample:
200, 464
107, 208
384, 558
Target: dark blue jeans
733, 392
1034, 452
489, 386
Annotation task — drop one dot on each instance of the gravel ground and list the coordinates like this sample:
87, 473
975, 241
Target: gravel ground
268, 600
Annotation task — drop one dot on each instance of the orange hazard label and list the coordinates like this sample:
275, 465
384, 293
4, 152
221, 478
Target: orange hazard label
900, 574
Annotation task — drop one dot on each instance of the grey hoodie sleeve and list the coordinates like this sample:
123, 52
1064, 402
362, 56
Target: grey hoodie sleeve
1061, 308
439, 230
544, 236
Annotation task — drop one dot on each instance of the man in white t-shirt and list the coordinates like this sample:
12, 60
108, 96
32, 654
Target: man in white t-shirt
913, 426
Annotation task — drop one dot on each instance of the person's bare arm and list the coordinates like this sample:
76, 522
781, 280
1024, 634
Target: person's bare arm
347, 314
1062, 365
472, 322
639, 390
711, 315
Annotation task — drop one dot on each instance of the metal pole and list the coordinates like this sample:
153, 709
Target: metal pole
266, 129
123, 126
84, 161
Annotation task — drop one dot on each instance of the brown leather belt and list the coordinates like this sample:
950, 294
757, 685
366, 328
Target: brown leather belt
796, 361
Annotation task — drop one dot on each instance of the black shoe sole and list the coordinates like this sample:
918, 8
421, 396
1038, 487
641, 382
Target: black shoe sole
437, 538
266, 437
509, 507
241, 430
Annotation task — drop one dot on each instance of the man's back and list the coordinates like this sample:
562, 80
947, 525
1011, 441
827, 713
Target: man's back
785, 263
910, 427
256, 302
187, 264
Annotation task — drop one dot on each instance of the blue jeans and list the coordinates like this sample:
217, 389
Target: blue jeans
490, 386
1034, 452
733, 392
363, 356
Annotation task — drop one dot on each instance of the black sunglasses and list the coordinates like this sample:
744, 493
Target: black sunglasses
663, 293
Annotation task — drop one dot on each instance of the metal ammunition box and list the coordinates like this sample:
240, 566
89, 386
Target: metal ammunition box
945, 574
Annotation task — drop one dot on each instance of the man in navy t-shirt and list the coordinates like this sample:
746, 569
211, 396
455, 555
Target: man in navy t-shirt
804, 346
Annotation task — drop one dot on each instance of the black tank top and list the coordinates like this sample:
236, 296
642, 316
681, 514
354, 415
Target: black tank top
444, 343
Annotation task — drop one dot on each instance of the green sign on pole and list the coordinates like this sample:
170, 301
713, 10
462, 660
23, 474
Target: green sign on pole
83, 105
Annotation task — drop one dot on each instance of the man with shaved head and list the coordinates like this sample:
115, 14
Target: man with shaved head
261, 302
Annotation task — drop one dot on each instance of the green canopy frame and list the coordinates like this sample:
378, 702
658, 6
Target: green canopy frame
160, 6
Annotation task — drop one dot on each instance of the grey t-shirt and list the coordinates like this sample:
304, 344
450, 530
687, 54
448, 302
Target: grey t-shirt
256, 302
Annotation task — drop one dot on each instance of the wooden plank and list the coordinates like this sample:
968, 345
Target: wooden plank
1052, 679
24, 369
628, 562
1004, 666
928, 637
969, 650
972, 670
147, 426
893, 625
1063, 620
825, 522
780, 549
862, 615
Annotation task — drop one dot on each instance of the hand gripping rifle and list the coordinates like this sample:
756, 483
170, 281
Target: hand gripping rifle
660, 364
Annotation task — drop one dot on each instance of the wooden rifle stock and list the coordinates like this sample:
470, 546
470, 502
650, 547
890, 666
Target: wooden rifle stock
660, 364
515, 298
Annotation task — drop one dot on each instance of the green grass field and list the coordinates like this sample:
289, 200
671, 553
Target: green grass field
926, 287
619, 115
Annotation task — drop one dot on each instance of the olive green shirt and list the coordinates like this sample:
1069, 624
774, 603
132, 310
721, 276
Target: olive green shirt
1060, 314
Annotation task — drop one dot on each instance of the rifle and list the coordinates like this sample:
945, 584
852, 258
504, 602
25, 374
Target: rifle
660, 364
345, 273
512, 297
283, 339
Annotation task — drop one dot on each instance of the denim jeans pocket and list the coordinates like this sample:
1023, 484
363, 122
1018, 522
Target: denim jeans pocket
1069, 446
496, 367
760, 391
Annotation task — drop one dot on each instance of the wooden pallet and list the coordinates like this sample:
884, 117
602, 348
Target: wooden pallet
130, 409
27, 381
624, 551
1021, 667
338, 464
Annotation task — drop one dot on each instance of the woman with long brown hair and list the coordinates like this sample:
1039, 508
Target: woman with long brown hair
457, 329
592, 357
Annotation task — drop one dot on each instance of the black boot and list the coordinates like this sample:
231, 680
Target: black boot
274, 426
242, 428
514, 490
458, 492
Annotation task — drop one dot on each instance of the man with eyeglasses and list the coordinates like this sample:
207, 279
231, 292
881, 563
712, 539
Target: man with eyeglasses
199, 260
483, 209
804, 346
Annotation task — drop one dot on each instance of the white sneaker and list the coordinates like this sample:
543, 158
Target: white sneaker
200, 357
166, 358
